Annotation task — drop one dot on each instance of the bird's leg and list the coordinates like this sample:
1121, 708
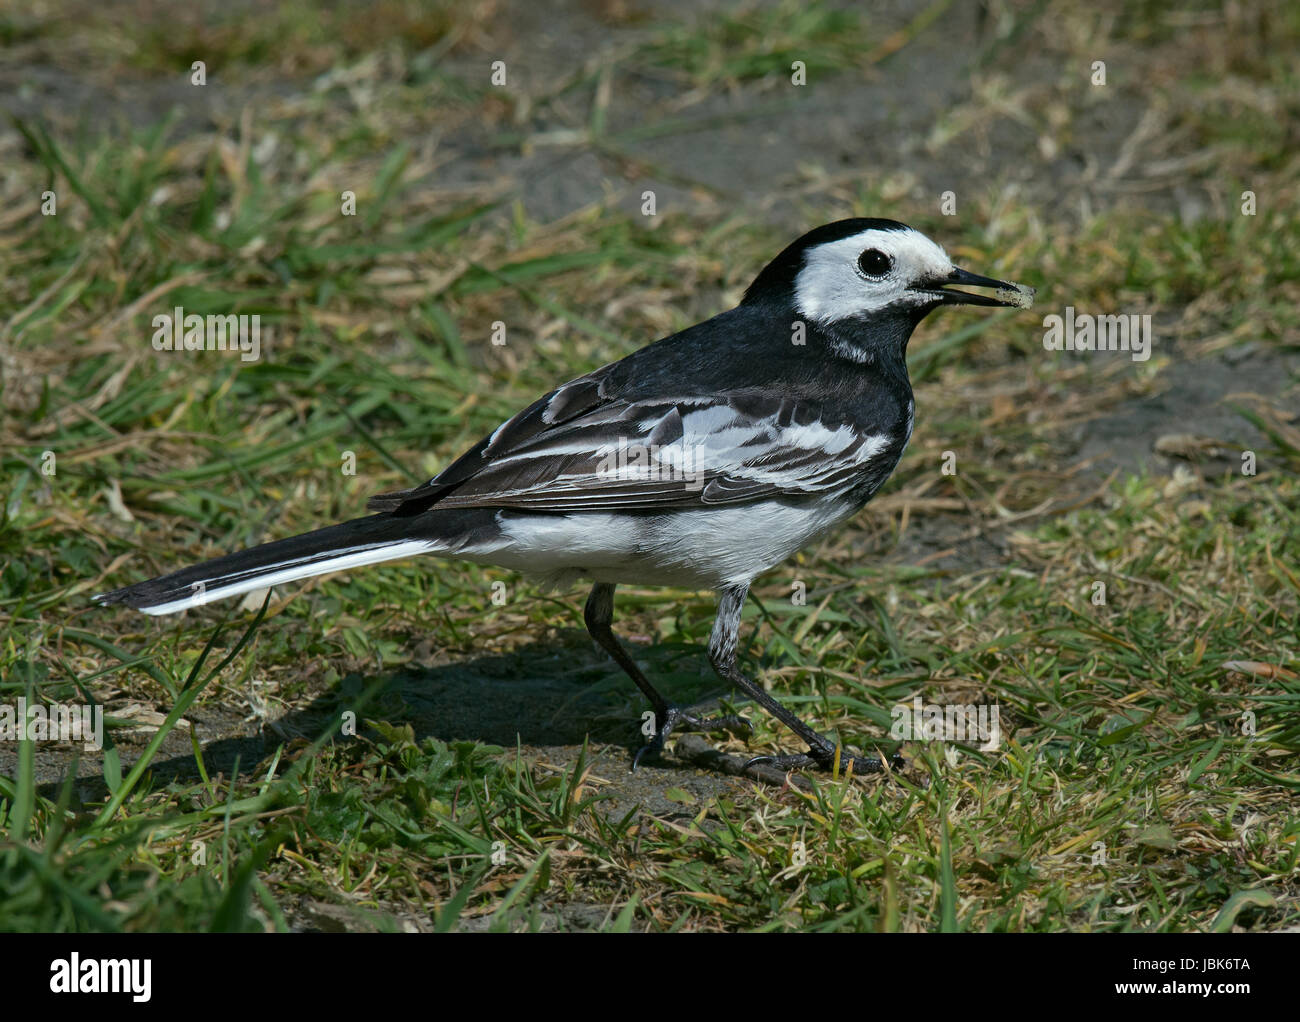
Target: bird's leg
599, 616
722, 654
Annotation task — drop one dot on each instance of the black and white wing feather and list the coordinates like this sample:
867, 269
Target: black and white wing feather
581, 449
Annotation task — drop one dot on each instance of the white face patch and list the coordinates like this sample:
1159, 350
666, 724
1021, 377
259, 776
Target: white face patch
831, 286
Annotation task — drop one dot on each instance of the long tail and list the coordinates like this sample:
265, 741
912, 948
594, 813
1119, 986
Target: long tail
382, 537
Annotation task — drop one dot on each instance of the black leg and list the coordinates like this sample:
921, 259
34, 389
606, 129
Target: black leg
599, 616
722, 654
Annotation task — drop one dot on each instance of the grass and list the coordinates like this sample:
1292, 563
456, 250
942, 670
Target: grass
1147, 778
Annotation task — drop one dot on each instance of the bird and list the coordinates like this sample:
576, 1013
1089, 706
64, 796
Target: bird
701, 460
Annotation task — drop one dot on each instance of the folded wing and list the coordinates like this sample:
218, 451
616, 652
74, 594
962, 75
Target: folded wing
582, 449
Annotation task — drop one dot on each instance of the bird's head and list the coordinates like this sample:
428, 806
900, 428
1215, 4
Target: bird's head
854, 272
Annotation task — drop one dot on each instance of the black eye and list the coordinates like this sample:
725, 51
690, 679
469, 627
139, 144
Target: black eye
874, 263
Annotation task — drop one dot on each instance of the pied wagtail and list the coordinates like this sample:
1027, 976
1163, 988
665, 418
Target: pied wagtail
701, 460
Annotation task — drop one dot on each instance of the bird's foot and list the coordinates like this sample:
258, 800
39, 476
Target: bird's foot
677, 718
824, 757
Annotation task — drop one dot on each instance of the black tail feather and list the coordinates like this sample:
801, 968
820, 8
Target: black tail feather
245, 567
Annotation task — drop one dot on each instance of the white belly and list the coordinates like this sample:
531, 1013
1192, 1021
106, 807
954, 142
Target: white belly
696, 547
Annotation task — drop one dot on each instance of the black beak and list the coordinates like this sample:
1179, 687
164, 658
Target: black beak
1009, 294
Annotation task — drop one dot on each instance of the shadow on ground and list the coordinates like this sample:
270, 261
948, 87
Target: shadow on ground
530, 698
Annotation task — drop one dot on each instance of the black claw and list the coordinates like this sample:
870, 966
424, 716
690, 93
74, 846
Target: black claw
636, 760
791, 762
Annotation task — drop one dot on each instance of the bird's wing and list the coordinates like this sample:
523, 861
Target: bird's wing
580, 449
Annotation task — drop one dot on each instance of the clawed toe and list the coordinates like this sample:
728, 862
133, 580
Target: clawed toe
824, 759
731, 723
677, 719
